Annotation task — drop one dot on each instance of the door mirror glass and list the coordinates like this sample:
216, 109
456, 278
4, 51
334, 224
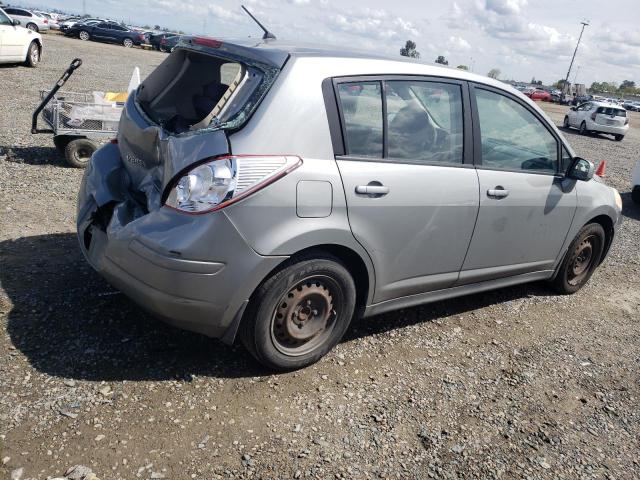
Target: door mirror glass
581, 169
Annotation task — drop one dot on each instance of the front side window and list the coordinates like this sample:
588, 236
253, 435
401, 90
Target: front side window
424, 121
512, 137
361, 104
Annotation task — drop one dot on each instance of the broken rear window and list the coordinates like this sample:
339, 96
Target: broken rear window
192, 90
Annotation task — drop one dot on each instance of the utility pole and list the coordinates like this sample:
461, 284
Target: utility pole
566, 80
575, 75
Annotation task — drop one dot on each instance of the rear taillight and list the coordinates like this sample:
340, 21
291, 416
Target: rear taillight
593, 116
219, 182
46, 21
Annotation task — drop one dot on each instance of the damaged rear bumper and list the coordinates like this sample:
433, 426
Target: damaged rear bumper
193, 271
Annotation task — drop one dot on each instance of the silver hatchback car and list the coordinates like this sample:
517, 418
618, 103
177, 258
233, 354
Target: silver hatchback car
271, 193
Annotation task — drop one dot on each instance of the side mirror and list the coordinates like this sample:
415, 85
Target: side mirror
16, 22
581, 169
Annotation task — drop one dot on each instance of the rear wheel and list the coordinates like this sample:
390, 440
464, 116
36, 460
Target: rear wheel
33, 55
583, 128
299, 314
581, 260
32, 26
84, 35
127, 42
565, 123
618, 137
78, 152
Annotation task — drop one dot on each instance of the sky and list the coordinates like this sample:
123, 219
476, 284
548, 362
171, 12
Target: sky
521, 38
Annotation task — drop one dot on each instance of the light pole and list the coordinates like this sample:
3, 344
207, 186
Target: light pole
566, 80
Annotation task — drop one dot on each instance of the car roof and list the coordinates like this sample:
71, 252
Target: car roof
604, 104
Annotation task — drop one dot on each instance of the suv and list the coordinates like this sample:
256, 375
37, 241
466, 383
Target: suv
272, 193
18, 44
598, 117
30, 20
110, 32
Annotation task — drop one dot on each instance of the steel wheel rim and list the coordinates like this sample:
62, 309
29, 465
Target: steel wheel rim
128, 43
305, 315
582, 260
84, 36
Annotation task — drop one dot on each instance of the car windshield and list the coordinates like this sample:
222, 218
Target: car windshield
4, 19
612, 111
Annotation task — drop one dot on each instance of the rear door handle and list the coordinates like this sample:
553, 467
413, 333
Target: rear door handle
498, 192
378, 190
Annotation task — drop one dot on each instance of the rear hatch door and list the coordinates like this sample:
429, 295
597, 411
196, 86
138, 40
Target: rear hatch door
182, 111
611, 116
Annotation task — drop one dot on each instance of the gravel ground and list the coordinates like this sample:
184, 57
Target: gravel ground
517, 383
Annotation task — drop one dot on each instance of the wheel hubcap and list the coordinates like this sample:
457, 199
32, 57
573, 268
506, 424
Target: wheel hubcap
305, 316
35, 56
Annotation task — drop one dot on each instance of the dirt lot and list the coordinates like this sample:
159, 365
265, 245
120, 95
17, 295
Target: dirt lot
517, 383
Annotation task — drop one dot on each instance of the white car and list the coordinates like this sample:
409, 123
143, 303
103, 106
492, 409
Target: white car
635, 183
600, 117
18, 44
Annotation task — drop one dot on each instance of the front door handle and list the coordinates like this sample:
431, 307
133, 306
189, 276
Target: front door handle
374, 188
498, 192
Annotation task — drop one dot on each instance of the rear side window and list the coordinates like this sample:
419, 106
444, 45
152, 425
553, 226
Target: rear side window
612, 112
412, 120
362, 111
512, 137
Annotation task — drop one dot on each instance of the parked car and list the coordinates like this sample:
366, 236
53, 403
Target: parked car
635, 183
167, 44
541, 95
257, 191
28, 19
53, 23
18, 44
580, 99
632, 106
109, 32
598, 117
156, 38
70, 27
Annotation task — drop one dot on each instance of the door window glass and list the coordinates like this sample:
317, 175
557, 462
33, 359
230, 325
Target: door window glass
361, 104
512, 137
424, 121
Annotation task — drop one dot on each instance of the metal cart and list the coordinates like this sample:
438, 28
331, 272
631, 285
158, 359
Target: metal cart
78, 123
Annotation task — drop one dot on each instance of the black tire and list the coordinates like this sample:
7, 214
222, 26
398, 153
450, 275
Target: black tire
61, 142
581, 260
565, 123
635, 194
33, 27
33, 55
127, 43
78, 152
618, 138
84, 35
321, 298
583, 129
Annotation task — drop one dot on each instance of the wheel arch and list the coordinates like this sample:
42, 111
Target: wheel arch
608, 225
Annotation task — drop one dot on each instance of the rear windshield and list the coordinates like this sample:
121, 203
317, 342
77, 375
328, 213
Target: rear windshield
192, 90
612, 112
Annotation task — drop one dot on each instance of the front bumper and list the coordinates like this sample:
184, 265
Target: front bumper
193, 271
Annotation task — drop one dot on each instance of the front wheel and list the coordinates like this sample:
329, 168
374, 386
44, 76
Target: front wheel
127, 42
565, 124
84, 35
33, 55
300, 313
618, 138
583, 256
78, 152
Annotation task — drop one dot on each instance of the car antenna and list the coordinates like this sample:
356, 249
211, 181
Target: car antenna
267, 33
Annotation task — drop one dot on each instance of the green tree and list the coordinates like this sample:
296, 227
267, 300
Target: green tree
441, 60
494, 73
462, 67
627, 84
409, 50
